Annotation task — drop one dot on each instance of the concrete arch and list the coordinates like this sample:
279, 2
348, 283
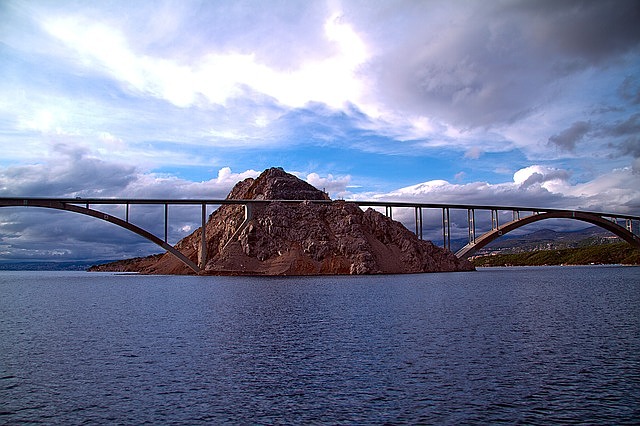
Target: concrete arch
592, 218
108, 218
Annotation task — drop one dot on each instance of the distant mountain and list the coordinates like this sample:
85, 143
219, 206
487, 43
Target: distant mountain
592, 245
46, 266
547, 239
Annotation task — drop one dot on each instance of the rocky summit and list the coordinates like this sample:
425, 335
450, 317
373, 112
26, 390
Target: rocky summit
306, 238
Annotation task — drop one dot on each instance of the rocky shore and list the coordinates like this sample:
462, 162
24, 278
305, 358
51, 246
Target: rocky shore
304, 238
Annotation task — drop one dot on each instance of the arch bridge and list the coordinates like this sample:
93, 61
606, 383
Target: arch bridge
627, 227
624, 226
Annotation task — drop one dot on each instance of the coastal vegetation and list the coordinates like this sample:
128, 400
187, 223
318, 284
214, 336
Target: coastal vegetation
602, 254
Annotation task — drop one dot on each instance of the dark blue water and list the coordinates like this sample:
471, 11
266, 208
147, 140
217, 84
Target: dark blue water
523, 345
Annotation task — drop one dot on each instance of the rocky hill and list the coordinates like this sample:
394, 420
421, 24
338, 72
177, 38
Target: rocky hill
304, 238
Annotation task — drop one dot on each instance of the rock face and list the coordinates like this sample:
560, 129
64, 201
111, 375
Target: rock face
303, 238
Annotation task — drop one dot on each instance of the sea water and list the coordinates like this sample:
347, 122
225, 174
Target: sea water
516, 345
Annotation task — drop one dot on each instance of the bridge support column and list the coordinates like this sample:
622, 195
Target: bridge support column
446, 229
203, 238
629, 225
471, 218
388, 211
418, 215
516, 215
166, 222
494, 219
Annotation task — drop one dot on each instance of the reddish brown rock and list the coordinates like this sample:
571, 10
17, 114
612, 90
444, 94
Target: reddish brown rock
303, 238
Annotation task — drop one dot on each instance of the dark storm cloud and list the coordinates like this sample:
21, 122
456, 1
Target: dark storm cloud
486, 63
630, 126
631, 147
588, 30
628, 132
568, 138
70, 172
630, 90
36, 233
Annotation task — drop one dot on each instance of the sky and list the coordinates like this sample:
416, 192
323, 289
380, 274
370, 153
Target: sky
527, 103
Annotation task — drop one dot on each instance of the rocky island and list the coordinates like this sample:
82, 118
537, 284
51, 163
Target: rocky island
306, 238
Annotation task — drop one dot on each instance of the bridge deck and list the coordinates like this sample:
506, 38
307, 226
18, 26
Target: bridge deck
607, 221
376, 203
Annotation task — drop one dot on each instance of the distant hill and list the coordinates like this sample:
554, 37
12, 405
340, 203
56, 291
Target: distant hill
546, 239
46, 266
592, 245
600, 254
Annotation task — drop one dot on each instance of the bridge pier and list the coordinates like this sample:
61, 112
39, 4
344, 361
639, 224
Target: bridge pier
248, 215
494, 219
418, 216
203, 237
446, 229
166, 222
471, 218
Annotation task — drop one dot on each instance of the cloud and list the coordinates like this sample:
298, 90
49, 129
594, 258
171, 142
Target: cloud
546, 177
39, 233
42, 234
473, 65
217, 76
73, 172
630, 90
628, 142
533, 186
336, 187
631, 147
441, 74
568, 138
630, 126
590, 30
181, 98
473, 153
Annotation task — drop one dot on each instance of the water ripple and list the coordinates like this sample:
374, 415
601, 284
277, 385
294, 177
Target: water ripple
521, 346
